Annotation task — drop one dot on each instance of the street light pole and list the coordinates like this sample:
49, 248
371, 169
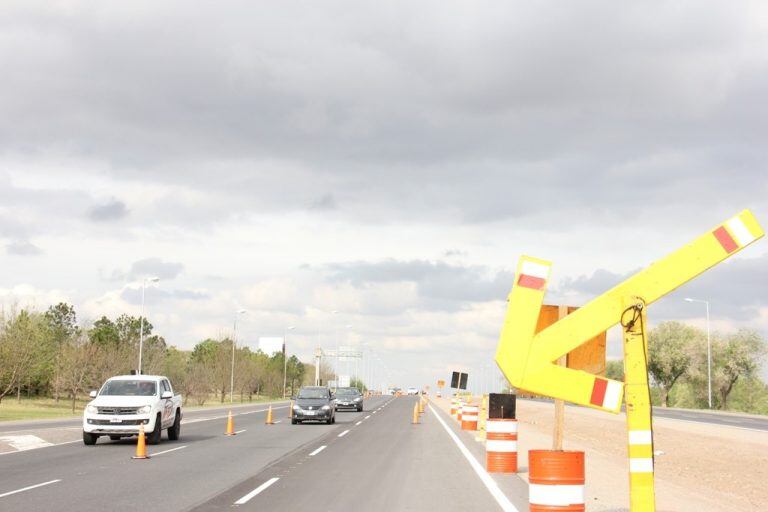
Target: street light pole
285, 358
709, 351
141, 319
232, 372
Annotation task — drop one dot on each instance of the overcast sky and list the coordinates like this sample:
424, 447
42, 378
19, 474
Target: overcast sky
386, 160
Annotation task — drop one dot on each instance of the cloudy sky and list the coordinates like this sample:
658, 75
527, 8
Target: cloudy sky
386, 160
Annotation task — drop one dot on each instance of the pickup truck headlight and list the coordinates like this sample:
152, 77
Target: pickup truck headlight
296, 408
326, 407
144, 410
92, 409
359, 399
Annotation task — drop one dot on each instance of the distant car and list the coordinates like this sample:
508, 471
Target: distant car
314, 403
349, 398
413, 391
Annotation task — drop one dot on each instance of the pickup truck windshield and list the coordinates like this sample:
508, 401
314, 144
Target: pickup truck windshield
129, 388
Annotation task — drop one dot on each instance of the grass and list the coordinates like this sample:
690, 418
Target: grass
47, 408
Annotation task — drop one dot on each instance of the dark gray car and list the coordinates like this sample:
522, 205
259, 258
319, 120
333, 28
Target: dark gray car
314, 403
349, 398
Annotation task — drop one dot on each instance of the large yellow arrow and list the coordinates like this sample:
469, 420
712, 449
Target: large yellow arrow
526, 358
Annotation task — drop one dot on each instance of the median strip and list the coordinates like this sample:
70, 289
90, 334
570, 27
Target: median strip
245, 499
29, 488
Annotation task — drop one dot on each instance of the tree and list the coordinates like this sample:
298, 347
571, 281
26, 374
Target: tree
62, 324
77, 363
22, 350
614, 370
670, 347
736, 356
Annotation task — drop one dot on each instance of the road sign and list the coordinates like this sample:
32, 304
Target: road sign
459, 380
527, 358
441, 383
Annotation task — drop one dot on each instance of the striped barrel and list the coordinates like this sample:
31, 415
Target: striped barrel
454, 406
459, 407
556, 481
501, 446
469, 415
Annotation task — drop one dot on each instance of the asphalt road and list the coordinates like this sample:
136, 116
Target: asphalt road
374, 460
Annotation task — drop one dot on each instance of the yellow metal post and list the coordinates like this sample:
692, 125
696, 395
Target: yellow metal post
638, 400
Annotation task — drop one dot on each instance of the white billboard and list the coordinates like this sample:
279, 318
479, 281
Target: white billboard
343, 381
271, 345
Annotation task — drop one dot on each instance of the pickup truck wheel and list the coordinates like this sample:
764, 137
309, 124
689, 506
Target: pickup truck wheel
154, 436
89, 438
175, 430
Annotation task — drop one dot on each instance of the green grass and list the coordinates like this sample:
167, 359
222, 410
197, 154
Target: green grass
47, 408
38, 409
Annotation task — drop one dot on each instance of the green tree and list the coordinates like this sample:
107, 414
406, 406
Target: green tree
614, 370
670, 348
736, 356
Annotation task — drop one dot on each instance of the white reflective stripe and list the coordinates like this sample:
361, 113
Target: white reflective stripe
531, 268
740, 231
641, 465
561, 495
612, 395
468, 417
501, 427
469, 409
640, 437
492, 445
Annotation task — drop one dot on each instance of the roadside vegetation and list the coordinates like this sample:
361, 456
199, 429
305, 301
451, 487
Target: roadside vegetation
677, 364
49, 363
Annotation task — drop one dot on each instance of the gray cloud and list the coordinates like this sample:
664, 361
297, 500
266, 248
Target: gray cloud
112, 210
23, 248
325, 202
440, 285
133, 295
149, 267
735, 289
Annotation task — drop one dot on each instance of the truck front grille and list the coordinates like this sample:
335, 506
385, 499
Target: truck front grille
116, 411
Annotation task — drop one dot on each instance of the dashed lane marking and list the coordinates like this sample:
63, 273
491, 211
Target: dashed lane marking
358, 423
29, 488
240, 431
367, 417
318, 451
245, 499
344, 433
169, 451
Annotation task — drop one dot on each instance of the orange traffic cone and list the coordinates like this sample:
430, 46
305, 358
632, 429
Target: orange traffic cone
230, 425
141, 446
415, 414
269, 417
421, 406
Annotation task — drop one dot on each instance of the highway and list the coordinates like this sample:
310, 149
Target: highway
375, 460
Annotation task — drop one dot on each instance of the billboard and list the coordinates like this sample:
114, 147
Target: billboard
271, 345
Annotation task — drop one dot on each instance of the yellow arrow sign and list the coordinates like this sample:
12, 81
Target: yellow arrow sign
527, 358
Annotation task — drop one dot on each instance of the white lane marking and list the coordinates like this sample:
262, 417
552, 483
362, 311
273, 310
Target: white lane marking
25, 442
344, 433
317, 451
28, 488
359, 422
278, 421
374, 412
245, 499
367, 417
168, 451
499, 496
240, 431
713, 423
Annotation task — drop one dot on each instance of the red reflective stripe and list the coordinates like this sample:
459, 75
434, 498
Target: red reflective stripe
598, 392
725, 239
536, 283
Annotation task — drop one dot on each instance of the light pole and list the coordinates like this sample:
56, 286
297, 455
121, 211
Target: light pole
141, 320
709, 351
336, 330
234, 341
285, 358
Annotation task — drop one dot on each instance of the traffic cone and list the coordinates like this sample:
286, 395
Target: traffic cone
421, 406
230, 425
415, 414
269, 417
141, 445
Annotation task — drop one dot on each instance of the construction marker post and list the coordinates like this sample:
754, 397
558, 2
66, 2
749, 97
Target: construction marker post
526, 356
230, 425
141, 444
415, 420
638, 400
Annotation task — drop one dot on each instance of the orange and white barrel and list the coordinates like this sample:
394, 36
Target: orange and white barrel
459, 408
469, 417
454, 406
556, 481
501, 445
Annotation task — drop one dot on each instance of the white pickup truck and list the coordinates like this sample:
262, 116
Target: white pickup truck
127, 401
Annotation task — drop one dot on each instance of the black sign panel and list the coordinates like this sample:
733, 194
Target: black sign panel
455, 380
463, 381
501, 406
459, 380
